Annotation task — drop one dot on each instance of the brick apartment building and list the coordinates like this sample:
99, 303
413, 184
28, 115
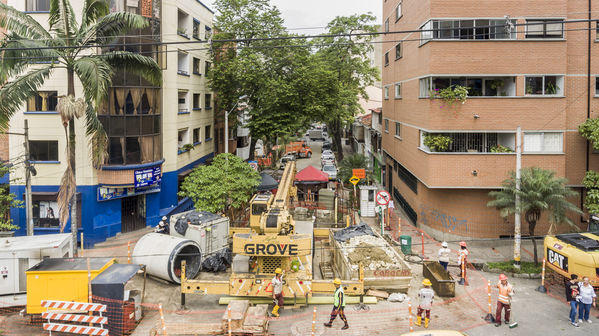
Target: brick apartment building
528, 69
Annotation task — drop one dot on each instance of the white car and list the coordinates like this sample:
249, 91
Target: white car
328, 152
327, 159
331, 170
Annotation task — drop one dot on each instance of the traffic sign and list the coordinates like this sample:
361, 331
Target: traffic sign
354, 180
383, 197
359, 173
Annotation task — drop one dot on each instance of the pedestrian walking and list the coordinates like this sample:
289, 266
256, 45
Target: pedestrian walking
587, 298
338, 306
504, 297
426, 296
277, 292
572, 291
444, 255
463, 258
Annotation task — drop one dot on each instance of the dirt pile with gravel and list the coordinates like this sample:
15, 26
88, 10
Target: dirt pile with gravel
371, 251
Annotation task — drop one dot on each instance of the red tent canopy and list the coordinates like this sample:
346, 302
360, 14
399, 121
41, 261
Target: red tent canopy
311, 174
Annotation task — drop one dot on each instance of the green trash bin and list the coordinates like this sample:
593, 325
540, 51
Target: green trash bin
406, 244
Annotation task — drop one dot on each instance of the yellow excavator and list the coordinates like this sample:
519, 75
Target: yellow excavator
270, 243
574, 253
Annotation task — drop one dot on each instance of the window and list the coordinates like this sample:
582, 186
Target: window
387, 25
398, 51
196, 29
43, 150
545, 28
398, 12
477, 86
196, 135
196, 101
182, 101
37, 5
43, 101
397, 90
183, 63
544, 85
397, 129
207, 133
182, 137
207, 32
543, 142
387, 125
207, 68
386, 94
597, 86
45, 212
468, 29
386, 58
196, 66
208, 101
182, 23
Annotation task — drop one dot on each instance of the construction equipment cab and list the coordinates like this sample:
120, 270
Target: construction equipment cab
574, 253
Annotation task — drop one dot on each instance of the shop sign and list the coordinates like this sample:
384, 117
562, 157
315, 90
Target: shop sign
147, 177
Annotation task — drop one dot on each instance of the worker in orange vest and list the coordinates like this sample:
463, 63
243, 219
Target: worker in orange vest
463, 259
504, 297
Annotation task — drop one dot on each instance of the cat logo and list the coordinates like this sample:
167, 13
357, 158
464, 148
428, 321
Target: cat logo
557, 260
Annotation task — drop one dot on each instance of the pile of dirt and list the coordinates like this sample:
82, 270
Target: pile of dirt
371, 252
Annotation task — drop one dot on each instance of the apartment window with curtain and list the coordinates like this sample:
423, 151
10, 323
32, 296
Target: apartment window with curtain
43, 101
387, 125
543, 28
545, 85
196, 29
398, 51
397, 90
197, 65
37, 5
386, 92
397, 129
540, 142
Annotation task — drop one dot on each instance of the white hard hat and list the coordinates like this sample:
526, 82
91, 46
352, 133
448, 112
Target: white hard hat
444, 244
163, 217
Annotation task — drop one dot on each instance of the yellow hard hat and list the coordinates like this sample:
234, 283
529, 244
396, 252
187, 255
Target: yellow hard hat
337, 281
279, 271
427, 282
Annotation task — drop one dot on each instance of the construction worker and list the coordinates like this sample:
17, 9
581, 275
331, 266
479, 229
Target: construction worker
426, 296
444, 255
463, 259
162, 226
504, 297
277, 292
338, 306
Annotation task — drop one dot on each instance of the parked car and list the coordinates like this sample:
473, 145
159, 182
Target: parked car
331, 170
327, 159
327, 145
328, 152
288, 157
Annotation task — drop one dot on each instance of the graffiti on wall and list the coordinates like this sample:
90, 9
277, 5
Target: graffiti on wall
433, 217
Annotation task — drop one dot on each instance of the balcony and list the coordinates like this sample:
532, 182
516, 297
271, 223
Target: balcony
477, 86
496, 143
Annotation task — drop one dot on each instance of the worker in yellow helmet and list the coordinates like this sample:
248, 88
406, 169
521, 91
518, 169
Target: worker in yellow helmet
277, 292
338, 306
426, 295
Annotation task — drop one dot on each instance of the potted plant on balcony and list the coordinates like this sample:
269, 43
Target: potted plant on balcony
451, 96
501, 149
437, 142
182, 31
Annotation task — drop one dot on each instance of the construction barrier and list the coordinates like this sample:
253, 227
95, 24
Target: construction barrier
542, 288
82, 308
410, 315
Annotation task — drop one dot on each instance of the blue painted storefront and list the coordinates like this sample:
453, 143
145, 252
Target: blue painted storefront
101, 220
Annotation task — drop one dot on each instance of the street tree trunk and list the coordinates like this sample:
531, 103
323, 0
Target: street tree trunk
336, 131
73, 201
253, 141
531, 232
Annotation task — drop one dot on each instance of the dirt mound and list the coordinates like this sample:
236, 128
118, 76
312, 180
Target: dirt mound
366, 254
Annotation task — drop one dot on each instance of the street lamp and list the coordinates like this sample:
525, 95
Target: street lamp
227, 122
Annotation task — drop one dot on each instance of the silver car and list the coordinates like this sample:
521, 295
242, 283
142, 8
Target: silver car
331, 170
327, 159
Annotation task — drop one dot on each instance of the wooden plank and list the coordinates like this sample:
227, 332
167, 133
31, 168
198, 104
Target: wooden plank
238, 312
377, 293
256, 318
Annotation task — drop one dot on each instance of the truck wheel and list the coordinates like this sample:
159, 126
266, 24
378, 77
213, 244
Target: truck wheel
309, 155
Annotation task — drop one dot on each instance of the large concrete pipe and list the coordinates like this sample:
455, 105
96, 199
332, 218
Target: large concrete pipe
162, 254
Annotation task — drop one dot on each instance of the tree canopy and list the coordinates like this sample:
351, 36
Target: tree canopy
227, 183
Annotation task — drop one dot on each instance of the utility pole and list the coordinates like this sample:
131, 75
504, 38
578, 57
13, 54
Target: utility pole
28, 204
517, 223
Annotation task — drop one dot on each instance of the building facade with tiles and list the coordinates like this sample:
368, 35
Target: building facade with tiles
523, 67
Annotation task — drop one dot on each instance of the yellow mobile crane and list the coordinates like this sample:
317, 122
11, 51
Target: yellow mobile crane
271, 243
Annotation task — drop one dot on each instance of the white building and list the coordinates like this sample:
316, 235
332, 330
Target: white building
156, 134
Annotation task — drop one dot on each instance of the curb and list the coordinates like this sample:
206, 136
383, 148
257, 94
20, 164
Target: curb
514, 275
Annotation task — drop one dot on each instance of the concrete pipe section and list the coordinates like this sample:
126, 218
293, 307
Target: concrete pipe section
162, 254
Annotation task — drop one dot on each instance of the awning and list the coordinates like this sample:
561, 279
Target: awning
268, 182
311, 175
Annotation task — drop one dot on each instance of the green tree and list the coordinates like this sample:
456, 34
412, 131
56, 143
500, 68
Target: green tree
225, 185
70, 46
348, 57
354, 161
8, 200
540, 190
590, 131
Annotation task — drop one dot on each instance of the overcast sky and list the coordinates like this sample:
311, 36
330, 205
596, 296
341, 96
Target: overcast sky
317, 13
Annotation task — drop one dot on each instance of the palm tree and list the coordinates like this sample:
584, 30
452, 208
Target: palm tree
540, 190
31, 54
346, 166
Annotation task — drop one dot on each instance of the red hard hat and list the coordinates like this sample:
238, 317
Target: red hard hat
502, 277
463, 243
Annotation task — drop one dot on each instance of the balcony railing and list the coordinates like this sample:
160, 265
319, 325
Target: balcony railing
474, 142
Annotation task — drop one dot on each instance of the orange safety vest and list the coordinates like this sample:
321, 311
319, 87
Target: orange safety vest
504, 293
